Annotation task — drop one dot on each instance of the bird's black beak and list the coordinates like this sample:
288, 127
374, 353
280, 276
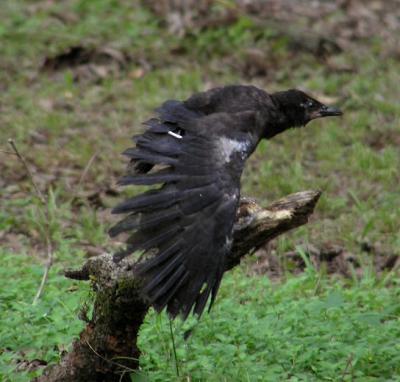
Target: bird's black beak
327, 111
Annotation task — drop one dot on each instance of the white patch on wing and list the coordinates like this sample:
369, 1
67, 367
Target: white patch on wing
175, 135
230, 146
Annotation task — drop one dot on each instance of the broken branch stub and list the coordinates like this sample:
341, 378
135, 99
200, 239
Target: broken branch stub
255, 226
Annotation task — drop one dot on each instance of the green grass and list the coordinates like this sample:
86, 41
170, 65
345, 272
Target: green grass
307, 329
42, 331
303, 328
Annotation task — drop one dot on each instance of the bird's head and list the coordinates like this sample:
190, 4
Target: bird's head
298, 108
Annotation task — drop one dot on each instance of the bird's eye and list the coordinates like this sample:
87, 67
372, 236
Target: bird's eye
307, 105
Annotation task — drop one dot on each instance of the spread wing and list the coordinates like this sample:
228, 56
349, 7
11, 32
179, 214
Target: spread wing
184, 227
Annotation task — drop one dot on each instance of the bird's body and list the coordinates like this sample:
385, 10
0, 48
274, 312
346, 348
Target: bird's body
196, 150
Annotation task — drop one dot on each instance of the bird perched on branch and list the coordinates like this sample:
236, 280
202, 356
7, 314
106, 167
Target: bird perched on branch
196, 150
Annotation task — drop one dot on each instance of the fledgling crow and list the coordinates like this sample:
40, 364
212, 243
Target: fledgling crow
196, 150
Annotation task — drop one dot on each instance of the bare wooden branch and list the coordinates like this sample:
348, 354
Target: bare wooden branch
107, 348
256, 226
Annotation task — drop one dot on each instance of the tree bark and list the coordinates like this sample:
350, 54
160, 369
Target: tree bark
107, 348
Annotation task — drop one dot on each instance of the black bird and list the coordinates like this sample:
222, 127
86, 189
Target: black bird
196, 150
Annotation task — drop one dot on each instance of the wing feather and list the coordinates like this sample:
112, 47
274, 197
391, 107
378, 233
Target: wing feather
186, 224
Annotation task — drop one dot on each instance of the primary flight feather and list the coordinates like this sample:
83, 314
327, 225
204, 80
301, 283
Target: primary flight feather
196, 150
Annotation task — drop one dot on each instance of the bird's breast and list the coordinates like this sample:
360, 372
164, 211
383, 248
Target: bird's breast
233, 150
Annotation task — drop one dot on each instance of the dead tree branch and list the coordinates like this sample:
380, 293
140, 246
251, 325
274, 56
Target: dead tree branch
107, 348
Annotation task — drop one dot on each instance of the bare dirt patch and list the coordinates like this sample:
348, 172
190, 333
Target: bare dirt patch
378, 140
320, 27
332, 258
87, 63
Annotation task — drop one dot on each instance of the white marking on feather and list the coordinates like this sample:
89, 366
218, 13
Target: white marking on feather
175, 135
231, 146
228, 242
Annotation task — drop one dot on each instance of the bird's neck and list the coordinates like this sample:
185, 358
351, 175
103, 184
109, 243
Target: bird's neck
276, 126
279, 119
275, 123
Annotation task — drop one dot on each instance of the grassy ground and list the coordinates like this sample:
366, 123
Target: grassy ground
72, 119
